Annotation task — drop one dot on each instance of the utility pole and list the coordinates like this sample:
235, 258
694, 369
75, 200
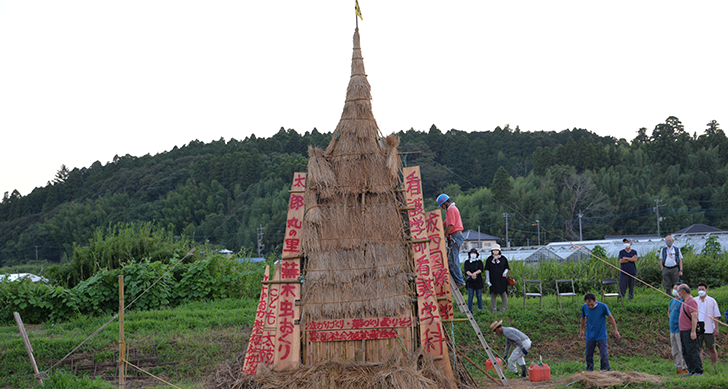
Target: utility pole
506, 214
480, 245
580, 216
260, 240
36, 253
659, 219
538, 228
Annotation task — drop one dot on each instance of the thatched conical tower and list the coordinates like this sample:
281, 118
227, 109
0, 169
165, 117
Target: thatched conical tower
368, 310
358, 261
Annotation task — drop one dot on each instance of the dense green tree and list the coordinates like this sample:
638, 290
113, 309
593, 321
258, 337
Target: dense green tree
501, 186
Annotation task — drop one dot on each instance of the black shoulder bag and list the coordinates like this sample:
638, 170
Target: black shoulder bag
700, 330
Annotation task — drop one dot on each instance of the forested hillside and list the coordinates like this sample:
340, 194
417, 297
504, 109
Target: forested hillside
222, 192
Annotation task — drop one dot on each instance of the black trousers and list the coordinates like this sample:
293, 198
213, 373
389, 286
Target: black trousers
625, 282
691, 352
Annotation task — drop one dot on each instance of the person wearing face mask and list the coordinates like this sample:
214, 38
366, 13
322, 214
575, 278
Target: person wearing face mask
688, 323
496, 270
627, 259
474, 278
671, 263
708, 314
673, 313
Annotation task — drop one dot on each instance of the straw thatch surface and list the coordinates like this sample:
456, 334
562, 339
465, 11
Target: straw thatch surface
394, 373
603, 379
357, 259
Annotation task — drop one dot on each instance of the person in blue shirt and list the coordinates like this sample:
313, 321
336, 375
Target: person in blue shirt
673, 312
594, 328
627, 277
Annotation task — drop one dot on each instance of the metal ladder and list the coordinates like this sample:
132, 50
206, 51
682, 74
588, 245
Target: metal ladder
464, 309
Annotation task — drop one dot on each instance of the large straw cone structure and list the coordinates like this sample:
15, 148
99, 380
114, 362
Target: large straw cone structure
358, 260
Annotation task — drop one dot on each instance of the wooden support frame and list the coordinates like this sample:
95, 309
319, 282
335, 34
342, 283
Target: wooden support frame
28, 346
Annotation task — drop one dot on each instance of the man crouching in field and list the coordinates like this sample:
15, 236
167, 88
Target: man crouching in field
593, 319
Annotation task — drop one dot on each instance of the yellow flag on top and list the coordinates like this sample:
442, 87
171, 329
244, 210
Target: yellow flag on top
357, 9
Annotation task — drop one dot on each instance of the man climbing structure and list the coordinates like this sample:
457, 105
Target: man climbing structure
453, 232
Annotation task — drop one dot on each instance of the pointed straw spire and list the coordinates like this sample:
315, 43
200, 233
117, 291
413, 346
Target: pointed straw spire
354, 239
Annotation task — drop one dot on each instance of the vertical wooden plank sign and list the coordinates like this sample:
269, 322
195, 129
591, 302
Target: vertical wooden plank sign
288, 338
270, 320
253, 353
432, 335
440, 267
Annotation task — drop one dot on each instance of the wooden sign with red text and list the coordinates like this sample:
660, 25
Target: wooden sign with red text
268, 339
253, 353
432, 336
438, 260
288, 338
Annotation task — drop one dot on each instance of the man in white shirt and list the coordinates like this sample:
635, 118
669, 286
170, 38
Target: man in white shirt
671, 263
708, 313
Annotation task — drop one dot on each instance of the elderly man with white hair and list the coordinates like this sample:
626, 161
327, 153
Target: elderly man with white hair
671, 263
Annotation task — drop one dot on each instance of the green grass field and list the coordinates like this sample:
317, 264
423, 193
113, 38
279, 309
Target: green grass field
207, 333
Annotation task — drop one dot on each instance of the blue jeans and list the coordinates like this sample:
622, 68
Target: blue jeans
479, 294
603, 354
453, 259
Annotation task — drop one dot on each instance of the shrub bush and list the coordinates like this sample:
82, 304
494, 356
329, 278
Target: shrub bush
210, 278
586, 273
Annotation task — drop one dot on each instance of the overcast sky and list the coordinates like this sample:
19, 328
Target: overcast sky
82, 81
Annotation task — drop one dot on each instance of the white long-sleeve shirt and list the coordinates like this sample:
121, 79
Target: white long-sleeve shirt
708, 308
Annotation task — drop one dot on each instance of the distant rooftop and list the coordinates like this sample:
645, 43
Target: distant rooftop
475, 235
632, 237
699, 229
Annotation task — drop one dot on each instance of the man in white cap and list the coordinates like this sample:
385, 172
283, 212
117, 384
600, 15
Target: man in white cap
627, 277
516, 340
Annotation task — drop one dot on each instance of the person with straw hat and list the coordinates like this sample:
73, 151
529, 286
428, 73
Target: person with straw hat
516, 340
496, 272
453, 232
474, 278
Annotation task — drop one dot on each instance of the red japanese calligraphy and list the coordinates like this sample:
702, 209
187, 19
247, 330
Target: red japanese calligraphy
424, 287
431, 221
332, 336
296, 202
434, 339
417, 226
299, 181
284, 344
286, 327
413, 184
378, 322
260, 313
291, 245
419, 247
434, 240
423, 266
445, 309
288, 290
267, 348
289, 270
294, 223
415, 203
427, 313
286, 309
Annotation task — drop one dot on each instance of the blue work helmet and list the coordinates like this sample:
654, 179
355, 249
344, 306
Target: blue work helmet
441, 199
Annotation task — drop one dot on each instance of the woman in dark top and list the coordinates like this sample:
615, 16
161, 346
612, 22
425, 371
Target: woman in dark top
496, 269
474, 278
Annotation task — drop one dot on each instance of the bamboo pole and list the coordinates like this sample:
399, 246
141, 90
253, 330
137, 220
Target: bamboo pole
478, 367
28, 346
122, 343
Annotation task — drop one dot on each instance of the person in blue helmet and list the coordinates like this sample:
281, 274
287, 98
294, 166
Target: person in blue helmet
453, 232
